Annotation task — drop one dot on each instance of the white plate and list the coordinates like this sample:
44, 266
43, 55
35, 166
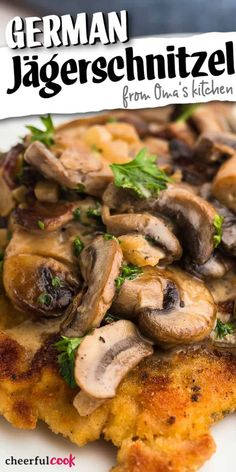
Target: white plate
99, 456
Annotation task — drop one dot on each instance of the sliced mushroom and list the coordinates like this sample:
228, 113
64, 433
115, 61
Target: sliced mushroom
100, 264
45, 216
73, 169
224, 184
56, 244
29, 281
205, 119
216, 267
6, 200
192, 214
187, 315
174, 130
170, 306
106, 356
194, 217
85, 405
215, 147
228, 241
146, 290
119, 199
140, 252
12, 164
152, 227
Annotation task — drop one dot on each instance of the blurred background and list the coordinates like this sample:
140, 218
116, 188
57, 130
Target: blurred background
146, 17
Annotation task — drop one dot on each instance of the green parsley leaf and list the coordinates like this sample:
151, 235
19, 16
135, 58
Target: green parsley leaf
94, 212
187, 111
66, 358
77, 214
142, 175
217, 223
57, 282
41, 225
46, 136
222, 329
45, 299
108, 237
129, 272
78, 246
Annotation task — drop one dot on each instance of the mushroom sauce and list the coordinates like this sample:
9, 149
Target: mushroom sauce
118, 235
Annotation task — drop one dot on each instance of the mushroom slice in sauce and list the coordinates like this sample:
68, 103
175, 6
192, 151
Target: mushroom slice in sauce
187, 314
38, 284
100, 264
170, 306
224, 184
152, 227
216, 267
212, 147
72, 169
140, 252
45, 216
107, 355
6, 202
146, 290
194, 217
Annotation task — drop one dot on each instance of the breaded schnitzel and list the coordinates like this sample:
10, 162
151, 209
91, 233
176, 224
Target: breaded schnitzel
159, 419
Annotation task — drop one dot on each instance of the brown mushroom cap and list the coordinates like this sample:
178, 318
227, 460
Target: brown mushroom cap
194, 217
100, 264
75, 167
140, 252
216, 267
170, 306
106, 356
212, 147
28, 277
51, 215
146, 290
224, 184
152, 227
187, 315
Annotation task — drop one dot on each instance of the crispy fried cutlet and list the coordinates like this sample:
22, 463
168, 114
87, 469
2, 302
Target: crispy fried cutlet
159, 419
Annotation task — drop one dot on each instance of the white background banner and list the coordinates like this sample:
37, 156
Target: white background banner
137, 93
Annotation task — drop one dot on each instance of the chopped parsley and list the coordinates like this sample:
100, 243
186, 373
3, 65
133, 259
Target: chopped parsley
187, 111
94, 212
78, 246
46, 136
217, 223
45, 299
223, 329
57, 282
142, 175
108, 237
77, 214
41, 225
66, 357
128, 272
